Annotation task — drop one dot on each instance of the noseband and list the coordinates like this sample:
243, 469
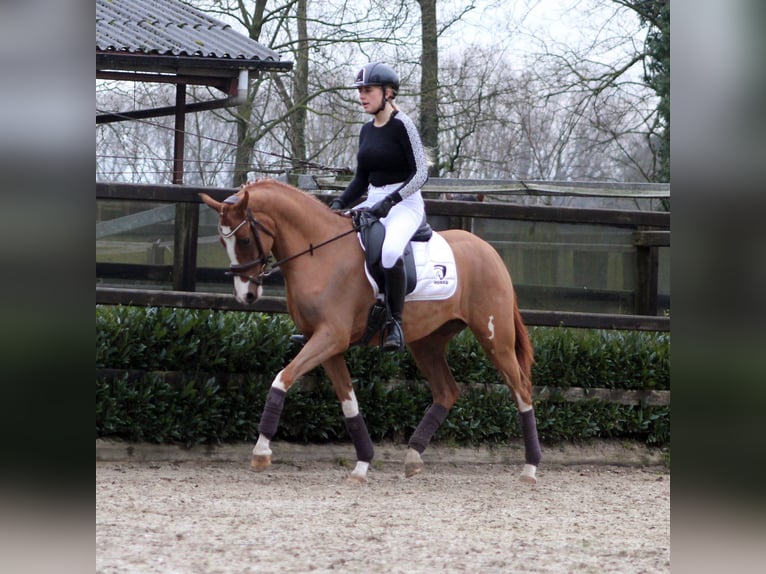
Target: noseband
239, 270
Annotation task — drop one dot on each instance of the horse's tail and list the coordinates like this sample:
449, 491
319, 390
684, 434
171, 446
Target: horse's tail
525, 354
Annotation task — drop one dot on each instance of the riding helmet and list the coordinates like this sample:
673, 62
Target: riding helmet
377, 74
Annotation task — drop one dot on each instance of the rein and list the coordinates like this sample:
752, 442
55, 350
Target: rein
238, 270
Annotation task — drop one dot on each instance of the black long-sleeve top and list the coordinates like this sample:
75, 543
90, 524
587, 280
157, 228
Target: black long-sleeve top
391, 153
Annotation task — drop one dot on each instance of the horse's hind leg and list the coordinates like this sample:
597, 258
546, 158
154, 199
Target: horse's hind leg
430, 356
507, 345
532, 454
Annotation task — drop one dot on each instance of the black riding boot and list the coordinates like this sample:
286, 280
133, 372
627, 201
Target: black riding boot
395, 287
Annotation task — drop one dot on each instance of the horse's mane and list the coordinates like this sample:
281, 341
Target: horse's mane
298, 193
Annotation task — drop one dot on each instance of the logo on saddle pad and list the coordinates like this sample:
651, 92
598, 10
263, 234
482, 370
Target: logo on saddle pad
440, 272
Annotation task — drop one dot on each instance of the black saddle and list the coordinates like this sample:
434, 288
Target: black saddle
372, 233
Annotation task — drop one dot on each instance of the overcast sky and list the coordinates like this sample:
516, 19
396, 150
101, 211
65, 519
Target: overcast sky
525, 28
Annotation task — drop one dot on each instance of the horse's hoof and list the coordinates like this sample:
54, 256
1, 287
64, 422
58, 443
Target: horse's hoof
527, 475
413, 468
413, 464
356, 479
260, 462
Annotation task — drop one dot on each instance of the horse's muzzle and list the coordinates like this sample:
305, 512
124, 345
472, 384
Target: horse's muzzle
247, 292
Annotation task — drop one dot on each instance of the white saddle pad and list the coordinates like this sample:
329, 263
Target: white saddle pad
436, 270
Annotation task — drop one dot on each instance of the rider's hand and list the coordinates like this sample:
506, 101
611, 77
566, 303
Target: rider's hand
336, 204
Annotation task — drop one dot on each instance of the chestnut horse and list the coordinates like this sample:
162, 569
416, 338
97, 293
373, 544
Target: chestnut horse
329, 298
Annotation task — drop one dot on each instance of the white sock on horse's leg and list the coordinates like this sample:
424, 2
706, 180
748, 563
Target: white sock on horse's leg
262, 446
528, 474
360, 471
350, 406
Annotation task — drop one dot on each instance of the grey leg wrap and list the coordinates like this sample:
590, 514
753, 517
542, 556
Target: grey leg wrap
360, 436
272, 410
432, 420
532, 454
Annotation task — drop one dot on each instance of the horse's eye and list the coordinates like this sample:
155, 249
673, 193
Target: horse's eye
243, 241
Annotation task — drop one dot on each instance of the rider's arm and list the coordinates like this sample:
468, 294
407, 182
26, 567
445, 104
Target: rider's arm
361, 181
416, 156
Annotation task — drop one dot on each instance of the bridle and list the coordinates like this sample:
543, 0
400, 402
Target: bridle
240, 269
267, 268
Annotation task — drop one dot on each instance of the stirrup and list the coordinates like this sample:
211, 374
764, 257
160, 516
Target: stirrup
394, 338
300, 339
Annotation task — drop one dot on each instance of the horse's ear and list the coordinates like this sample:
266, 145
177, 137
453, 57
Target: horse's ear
210, 202
241, 206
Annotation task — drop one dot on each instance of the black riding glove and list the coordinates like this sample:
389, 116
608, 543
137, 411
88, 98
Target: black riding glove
381, 209
336, 204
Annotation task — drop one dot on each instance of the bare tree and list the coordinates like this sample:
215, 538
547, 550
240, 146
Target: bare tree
276, 119
600, 72
429, 81
484, 109
137, 151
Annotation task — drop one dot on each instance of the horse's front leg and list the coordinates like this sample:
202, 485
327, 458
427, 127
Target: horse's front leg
316, 351
267, 428
337, 370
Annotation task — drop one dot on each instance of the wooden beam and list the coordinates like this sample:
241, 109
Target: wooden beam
651, 238
143, 298
195, 65
618, 217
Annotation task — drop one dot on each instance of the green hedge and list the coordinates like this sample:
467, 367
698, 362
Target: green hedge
221, 365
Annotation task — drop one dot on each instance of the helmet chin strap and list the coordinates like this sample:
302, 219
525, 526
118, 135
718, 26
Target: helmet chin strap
383, 103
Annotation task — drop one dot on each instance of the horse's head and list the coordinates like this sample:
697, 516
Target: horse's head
247, 242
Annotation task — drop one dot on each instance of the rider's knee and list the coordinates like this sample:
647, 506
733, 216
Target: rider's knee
389, 257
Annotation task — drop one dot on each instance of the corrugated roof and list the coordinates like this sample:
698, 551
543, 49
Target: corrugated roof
168, 27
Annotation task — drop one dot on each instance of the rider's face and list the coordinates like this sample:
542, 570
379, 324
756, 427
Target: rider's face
371, 97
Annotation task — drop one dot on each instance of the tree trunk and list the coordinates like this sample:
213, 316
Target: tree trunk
300, 90
245, 140
429, 82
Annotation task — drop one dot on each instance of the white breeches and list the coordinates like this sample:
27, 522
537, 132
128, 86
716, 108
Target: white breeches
401, 223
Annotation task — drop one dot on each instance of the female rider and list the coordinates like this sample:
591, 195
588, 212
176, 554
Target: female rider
392, 166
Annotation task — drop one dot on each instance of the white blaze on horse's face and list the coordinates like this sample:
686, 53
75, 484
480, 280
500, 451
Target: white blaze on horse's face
244, 291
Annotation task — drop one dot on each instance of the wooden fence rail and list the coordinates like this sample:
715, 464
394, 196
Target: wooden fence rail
158, 298
651, 231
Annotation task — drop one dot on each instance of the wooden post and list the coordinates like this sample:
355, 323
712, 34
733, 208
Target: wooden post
647, 269
187, 214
